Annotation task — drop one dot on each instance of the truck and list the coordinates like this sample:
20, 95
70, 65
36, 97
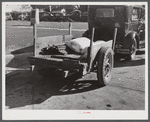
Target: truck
131, 27
112, 30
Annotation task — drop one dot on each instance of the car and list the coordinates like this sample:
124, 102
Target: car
23, 16
8, 16
126, 19
44, 16
84, 16
75, 15
58, 16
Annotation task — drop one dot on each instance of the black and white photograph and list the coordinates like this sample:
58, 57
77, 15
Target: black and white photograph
74, 60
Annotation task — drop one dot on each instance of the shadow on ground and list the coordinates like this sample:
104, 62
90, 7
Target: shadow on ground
22, 90
28, 49
19, 58
125, 63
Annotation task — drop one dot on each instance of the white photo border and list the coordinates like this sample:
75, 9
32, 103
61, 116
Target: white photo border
75, 114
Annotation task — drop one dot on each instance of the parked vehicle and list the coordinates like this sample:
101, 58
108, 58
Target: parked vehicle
45, 16
8, 16
58, 16
75, 15
84, 16
15, 15
131, 31
28, 16
21, 15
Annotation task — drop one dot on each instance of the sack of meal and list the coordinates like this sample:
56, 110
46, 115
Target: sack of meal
79, 45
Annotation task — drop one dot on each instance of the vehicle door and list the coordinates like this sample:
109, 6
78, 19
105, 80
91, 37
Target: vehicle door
138, 23
135, 19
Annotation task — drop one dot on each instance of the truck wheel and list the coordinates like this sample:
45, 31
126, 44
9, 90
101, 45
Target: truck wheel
46, 71
133, 51
105, 65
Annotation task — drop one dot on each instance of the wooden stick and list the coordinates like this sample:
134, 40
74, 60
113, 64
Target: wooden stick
70, 28
114, 40
34, 38
90, 50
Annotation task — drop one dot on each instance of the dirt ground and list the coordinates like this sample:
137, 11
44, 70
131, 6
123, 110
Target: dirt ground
126, 90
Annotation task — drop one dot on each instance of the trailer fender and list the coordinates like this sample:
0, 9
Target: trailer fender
97, 46
96, 49
128, 40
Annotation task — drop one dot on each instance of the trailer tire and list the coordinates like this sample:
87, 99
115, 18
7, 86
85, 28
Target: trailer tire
105, 65
48, 72
133, 50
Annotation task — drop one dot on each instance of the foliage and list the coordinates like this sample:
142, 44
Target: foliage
68, 8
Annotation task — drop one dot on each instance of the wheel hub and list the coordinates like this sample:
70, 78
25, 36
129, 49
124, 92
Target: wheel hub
107, 70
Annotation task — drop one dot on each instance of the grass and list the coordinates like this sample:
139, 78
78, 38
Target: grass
75, 25
19, 34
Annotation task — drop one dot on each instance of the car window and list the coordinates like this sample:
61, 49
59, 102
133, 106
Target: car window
105, 12
46, 14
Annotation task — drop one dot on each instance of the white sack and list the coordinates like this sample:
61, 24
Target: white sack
79, 45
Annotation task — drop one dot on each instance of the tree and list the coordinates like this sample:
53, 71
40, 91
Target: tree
26, 6
68, 8
41, 7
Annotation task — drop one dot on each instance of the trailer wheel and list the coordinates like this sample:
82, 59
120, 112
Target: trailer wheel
105, 65
46, 71
133, 51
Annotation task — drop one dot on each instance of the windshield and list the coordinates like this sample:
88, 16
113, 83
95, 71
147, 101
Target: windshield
105, 12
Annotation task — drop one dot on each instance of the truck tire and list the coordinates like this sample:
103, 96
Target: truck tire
48, 72
104, 65
133, 51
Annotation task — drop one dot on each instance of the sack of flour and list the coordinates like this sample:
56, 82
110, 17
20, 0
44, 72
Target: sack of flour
79, 45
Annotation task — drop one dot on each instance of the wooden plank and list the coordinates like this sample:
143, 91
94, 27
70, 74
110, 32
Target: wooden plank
67, 38
69, 56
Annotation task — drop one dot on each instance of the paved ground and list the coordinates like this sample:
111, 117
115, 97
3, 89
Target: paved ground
125, 92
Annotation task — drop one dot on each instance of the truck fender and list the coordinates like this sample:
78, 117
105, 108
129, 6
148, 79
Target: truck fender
128, 40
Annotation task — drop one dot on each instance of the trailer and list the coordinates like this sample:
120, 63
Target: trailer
109, 32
